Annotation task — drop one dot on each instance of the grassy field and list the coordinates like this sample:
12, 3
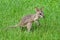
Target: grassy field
11, 11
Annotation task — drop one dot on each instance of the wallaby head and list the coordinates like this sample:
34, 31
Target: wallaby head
39, 12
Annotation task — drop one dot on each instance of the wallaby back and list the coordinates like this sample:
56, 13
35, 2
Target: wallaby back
27, 19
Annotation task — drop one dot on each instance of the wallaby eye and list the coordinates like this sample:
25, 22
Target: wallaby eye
40, 13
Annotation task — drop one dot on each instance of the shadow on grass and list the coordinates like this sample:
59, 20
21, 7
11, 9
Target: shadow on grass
35, 27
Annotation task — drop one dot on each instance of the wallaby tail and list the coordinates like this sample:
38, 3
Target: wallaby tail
11, 27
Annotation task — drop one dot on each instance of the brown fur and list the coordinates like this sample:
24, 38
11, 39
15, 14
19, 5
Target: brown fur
27, 20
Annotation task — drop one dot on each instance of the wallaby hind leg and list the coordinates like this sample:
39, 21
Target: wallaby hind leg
29, 26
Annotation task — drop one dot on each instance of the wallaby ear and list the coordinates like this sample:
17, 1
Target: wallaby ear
36, 9
42, 8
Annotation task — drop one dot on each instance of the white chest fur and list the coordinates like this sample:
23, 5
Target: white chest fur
36, 18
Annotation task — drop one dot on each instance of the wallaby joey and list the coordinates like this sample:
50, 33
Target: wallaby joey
29, 19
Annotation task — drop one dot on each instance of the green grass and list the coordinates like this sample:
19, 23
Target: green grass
11, 11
